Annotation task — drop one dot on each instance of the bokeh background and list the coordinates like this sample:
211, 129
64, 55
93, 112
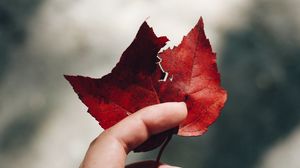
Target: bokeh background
43, 123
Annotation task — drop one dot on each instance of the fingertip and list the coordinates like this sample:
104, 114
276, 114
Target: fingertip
182, 109
178, 110
164, 116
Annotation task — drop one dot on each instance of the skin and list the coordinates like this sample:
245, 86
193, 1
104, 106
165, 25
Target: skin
111, 147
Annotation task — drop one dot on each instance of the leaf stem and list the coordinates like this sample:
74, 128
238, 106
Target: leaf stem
163, 148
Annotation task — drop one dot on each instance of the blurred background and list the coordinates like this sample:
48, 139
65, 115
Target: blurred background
44, 124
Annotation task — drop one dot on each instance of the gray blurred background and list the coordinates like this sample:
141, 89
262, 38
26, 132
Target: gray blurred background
43, 123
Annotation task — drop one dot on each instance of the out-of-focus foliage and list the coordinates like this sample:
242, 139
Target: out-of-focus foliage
13, 20
14, 15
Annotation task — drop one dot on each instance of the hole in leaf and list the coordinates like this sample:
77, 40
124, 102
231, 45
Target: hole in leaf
165, 74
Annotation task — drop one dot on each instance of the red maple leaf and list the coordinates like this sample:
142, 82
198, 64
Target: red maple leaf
190, 75
193, 78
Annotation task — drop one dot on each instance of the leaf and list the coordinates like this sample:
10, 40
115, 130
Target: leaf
135, 83
193, 77
127, 88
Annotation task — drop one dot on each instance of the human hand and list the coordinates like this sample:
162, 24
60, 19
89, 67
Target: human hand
111, 147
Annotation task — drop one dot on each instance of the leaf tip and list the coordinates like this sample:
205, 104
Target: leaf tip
69, 78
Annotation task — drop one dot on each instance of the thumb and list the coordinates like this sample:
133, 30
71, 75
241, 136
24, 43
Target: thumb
138, 127
113, 145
